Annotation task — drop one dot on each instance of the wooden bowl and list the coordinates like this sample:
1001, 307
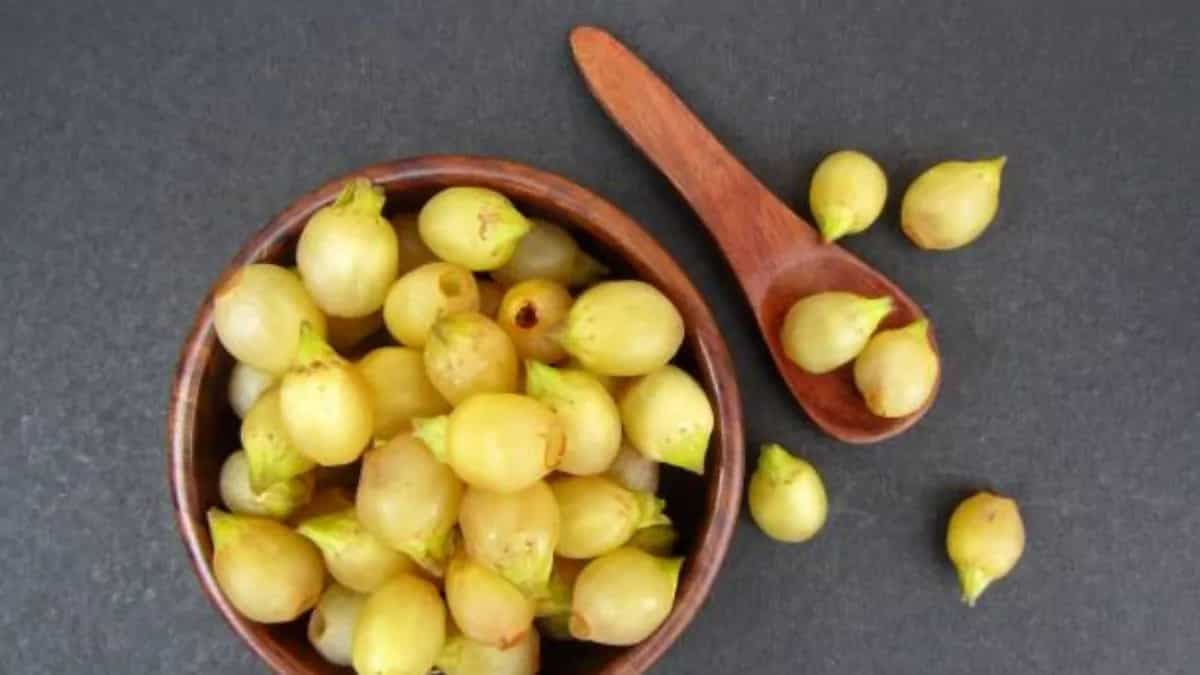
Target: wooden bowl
203, 430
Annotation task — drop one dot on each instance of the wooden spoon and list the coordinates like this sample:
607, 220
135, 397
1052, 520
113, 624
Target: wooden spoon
777, 257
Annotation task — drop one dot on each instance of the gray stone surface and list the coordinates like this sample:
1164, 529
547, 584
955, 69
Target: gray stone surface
141, 142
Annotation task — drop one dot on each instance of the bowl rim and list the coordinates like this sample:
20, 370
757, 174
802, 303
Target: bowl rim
602, 221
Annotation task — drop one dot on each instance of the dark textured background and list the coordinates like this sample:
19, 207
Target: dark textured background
140, 143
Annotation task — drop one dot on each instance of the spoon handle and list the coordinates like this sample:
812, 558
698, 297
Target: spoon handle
751, 226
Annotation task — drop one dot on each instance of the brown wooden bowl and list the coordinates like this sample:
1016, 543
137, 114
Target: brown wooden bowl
203, 430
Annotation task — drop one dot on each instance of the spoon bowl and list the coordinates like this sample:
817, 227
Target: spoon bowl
777, 257
832, 399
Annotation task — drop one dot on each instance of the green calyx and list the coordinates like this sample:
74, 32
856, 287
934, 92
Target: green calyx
359, 195
873, 310
501, 223
273, 464
332, 532
313, 348
432, 552
656, 539
456, 328
270, 455
650, 510
585, 269
555, 597
283, 497
688, 451
835, 221
530, 573
671, 567
432, 432
541, 380
918, 329
973, 581
224, 527
992, 168
778, 464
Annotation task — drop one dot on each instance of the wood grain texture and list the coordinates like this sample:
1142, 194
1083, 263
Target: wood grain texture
202, 429
777, 257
